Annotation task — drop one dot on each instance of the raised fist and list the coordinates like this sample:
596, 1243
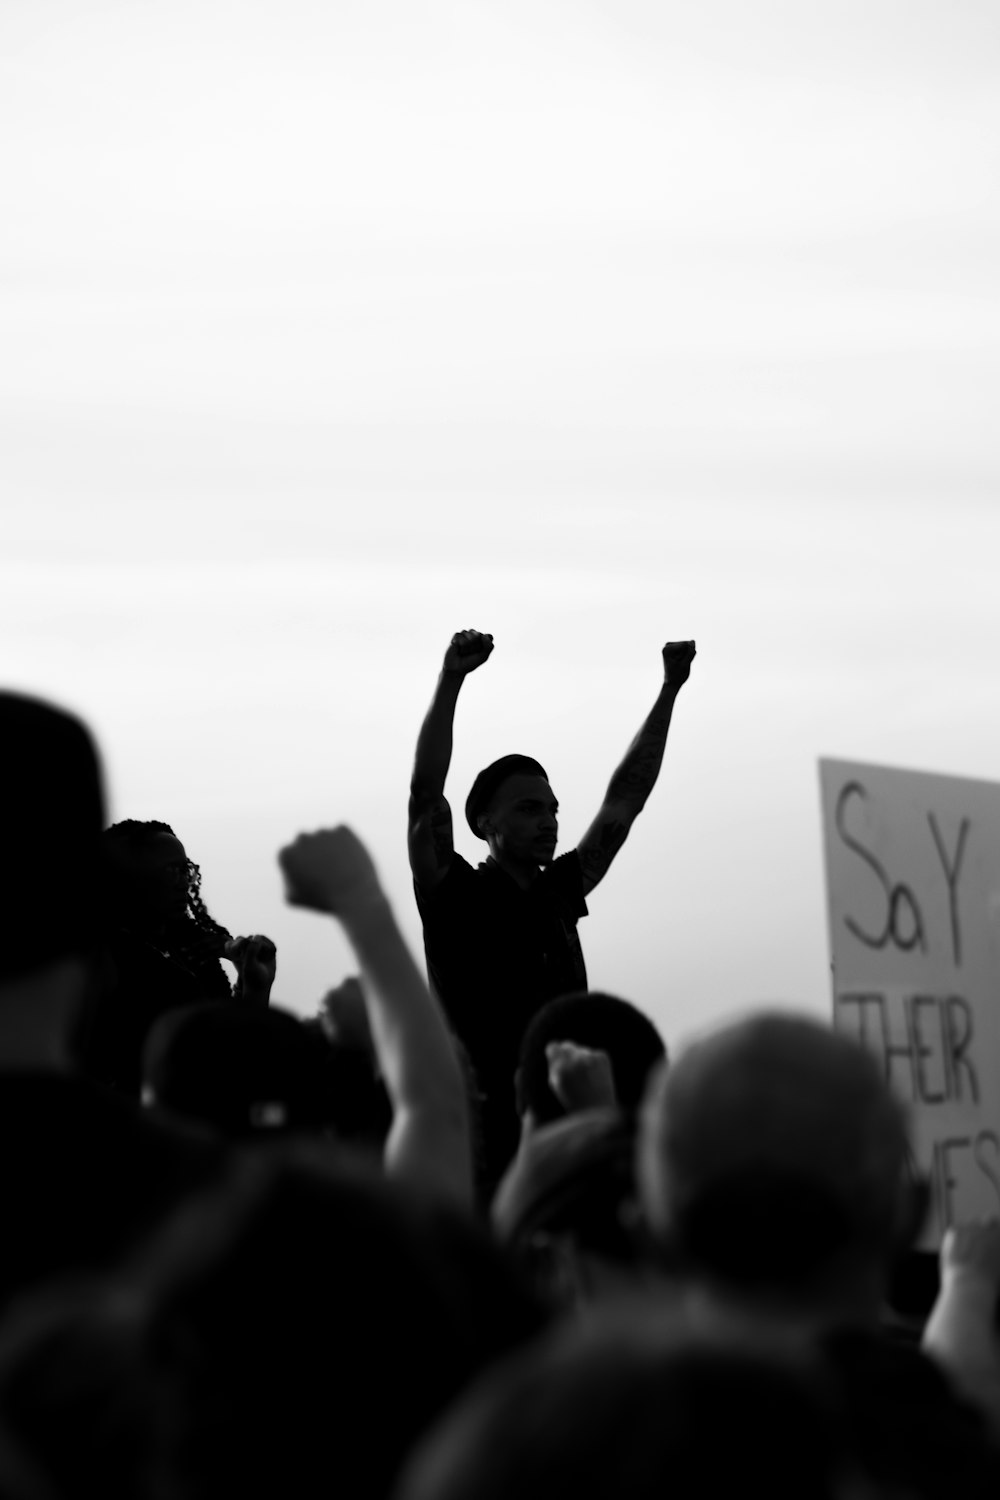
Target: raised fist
256, 960
580, 1077
468, 650
330, 871
677, 659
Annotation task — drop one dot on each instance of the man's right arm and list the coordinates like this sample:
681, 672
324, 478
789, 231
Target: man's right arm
430, 838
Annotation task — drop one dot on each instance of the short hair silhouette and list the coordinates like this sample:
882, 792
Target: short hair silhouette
592, 1019
772, 1152
641, 1412
243, 1071
313, 1321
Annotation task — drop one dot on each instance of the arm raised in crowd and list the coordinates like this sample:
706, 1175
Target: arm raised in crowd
430, 840
429, 1143
635, 778
961, 1332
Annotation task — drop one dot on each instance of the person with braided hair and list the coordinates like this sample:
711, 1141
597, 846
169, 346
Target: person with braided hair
84, 1175
162, 950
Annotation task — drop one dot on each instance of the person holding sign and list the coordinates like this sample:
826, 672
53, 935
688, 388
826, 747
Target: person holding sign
501, 939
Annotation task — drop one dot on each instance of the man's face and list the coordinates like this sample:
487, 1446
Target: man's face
521, 821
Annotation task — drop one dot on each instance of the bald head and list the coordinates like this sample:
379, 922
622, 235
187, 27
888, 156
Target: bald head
772, 1142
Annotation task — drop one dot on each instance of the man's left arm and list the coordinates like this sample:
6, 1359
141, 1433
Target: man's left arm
635, 778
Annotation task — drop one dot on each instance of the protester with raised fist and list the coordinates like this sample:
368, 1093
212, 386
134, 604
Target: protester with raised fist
83, 1175
429, 1142
501, 939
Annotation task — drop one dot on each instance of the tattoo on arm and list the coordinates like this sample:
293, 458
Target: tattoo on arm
636, 776
595, 858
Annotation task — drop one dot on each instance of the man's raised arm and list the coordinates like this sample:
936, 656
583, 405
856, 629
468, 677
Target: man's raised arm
430, 841
630, 786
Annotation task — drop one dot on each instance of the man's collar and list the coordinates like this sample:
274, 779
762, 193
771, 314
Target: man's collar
491, 864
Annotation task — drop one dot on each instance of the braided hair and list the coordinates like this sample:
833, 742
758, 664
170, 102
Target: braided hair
194, 936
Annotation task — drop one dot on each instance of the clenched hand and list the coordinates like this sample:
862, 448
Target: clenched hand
677, 659
329, 871
468, 650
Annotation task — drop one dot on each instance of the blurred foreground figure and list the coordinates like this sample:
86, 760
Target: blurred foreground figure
774, 1159
293, 1334
628, 1411
81, 1175
245, 1074
501, 939
774, 1179
566, 1209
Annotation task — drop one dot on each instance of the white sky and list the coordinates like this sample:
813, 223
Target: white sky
329, 329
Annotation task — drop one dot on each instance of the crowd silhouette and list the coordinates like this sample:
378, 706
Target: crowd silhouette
470, 1230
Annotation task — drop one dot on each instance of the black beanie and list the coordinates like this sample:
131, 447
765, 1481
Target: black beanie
486, 783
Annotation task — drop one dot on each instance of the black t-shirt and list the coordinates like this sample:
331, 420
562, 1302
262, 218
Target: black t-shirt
496, 953
141, 984
84, 1175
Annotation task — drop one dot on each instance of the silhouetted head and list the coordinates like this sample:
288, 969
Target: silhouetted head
53, 810
512, 806
153, 888
241, 1071
773, 1158
312, 1321
630, 1410
596, 1020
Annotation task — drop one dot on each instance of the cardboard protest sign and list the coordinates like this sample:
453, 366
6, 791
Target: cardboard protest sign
913, 892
